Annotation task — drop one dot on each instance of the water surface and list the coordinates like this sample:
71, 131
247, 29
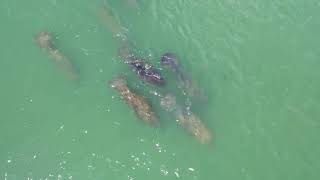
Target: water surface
257, 61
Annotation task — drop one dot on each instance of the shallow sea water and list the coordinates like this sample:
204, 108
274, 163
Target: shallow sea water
257, 61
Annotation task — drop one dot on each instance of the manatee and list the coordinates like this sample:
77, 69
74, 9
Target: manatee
45, 41
144, 70
187, 119
139, 104
147, 72
170, 61
111, 23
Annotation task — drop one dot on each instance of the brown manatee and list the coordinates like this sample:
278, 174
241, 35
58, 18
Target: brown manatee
188, 120
138, 103
45, 41
189, 88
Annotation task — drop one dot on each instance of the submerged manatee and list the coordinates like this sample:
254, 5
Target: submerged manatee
188, 120
139, 104
170, 61
44, 41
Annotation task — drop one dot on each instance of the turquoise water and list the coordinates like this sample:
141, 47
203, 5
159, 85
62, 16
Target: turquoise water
257, 61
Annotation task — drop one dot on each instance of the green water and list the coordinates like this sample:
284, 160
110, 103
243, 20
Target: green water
257, 61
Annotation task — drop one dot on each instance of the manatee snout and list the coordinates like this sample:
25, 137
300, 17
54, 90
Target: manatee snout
169, 59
